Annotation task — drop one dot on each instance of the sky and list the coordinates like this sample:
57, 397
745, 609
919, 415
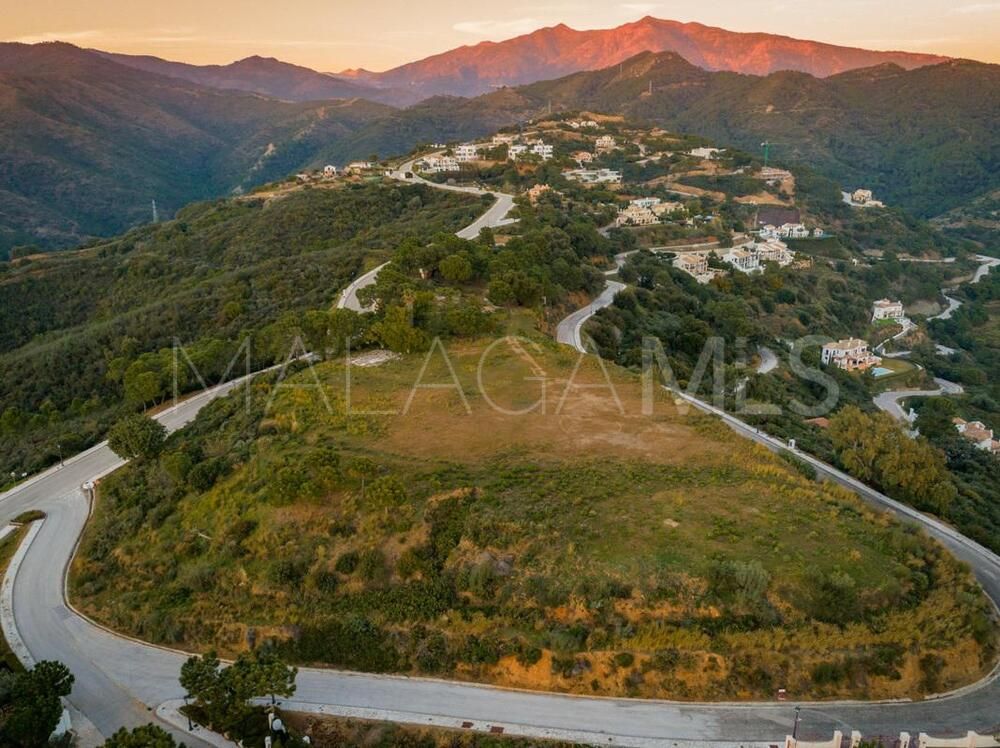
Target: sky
332, 35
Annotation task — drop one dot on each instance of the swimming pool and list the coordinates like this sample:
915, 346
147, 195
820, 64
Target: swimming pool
881, 371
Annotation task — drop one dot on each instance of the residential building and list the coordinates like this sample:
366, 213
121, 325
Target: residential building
850, 354
536, 192
504, 139
636, 215
705, 152
356, 167
587, 124
742, 259
865, 198
329, 171
437, 164
645, 202
771, 175
785, 231
594, 176
694, 263
977, 433
605, 143
886, 309
542, 150
466, 152
665, 208
818, 233
773, 250
583, 157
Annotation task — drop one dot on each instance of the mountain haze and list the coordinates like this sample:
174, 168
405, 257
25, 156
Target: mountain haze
559, 50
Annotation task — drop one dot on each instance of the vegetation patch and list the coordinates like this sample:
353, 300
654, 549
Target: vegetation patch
579, 546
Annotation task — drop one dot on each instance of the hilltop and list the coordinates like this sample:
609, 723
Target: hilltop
579, 546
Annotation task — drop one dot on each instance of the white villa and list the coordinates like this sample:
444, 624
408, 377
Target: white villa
542, 150
587, 124
850, 354
356, 167
594, 176
514, 151
886, 309
605, 143
773, 250
977, 433
785, 231
329, 171
466, 152
695, 264
705, 152
742, 259
437, 164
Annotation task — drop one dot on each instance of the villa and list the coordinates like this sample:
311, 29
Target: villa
536, 192
865, 198
851, 354
886, 309
695, 264
466, 152
773, 250
636, 215
742, 259
593, 176
329, 171
605, 143
977, 433
785, 231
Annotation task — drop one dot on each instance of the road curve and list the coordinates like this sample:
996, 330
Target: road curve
569, 330
494, 217
890, 401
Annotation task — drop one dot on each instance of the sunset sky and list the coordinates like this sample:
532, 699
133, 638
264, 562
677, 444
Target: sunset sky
331, 35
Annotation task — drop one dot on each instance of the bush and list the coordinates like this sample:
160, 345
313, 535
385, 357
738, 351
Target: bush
624, 659
347, 562
371, 565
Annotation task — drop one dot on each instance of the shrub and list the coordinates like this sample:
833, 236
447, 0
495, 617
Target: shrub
624, 659
371, 565
347, 562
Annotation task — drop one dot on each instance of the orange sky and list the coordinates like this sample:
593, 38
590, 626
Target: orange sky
331, 35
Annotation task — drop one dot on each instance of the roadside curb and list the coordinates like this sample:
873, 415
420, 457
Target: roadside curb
508, 728
7, 622
169, 713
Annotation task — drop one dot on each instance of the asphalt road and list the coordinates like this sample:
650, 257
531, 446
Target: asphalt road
568, 331
349, 296
890, 401
119, 681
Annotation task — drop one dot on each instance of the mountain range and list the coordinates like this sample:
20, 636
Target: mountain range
559, 50
88, 140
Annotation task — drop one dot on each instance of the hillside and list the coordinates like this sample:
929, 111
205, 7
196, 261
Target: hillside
578, 546
87, 335
559, 50
923, 139
86, 144
263, 75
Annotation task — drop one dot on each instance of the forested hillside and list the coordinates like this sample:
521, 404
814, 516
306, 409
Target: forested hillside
86, 144
86, 334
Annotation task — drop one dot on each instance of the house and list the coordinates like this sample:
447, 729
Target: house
705, 152
437, 164
356, 167
695, 263
645, 202
583, 157
886, 309
773, 250
784, 231
587, 124
818, 233
329, 171
742, 259
636, 215
503, 139
605, 143
466, 152
977, 433
593, 176
536, 192
542, 150
772, 176
865, 198
850, 354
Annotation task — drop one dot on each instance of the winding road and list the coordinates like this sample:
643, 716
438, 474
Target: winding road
120, 681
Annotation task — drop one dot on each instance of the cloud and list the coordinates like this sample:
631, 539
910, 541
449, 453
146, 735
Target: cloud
492, 28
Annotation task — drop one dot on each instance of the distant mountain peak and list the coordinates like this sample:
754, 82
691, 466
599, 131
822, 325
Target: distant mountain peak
555, 51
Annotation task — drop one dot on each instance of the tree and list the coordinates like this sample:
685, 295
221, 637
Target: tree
135, 436
455, 268
224, 693
36, 706
147, 736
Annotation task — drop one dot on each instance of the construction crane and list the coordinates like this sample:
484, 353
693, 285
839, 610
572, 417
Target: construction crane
766, 145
